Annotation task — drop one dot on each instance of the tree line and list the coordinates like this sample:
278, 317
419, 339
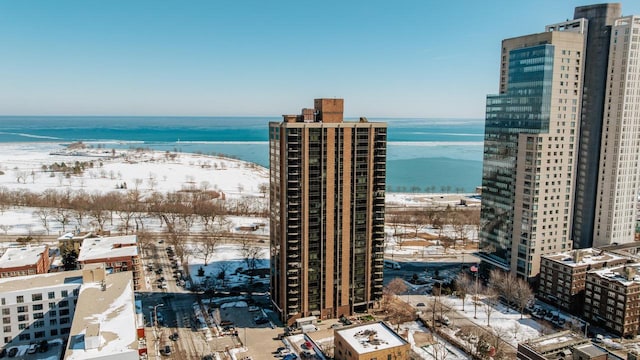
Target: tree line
129, 207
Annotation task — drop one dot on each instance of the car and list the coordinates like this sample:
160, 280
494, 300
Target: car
284, 352
13, 352
254, 308
226, 323
599, 338
32, 349
420, 304
167, 350
161, 279
3, 353
336, 325
280, 349
158, 271
290, 357
162, 286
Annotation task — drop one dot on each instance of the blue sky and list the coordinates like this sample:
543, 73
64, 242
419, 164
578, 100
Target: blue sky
417, 58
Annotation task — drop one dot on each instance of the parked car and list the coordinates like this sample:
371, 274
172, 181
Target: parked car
32, 349
13, 352
420, 304
253, 308
226, 323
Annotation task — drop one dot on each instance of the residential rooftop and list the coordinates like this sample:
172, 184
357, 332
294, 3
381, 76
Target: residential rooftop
626, 275
584, 257
371, 337
21, 283
104, 323
557, 343
22, 256
108, 247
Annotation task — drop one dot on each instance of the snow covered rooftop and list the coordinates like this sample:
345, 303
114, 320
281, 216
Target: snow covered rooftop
624, 274
104, 322
371, 337
48, 281
584, 257
22, 256
556, 342
108, 247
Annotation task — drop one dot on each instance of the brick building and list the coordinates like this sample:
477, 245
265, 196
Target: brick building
563, 275
368, 342
118, 253
24, 260
612, 299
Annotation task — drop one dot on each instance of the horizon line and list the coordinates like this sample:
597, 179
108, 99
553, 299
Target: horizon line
253, 116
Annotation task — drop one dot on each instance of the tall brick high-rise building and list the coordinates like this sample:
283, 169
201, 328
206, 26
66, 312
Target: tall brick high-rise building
327, 190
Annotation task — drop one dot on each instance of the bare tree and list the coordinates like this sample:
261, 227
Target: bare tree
490, 302
44, 215
144, 239
207, 245
523, 295
251, 254
63, 216
5, 228
464, 285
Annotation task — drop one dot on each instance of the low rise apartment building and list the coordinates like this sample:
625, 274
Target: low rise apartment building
563, 275
370, 341
38, 307
117, 253
612, 299
24, 260
560, 345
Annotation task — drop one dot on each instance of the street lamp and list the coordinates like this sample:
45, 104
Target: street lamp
155, 314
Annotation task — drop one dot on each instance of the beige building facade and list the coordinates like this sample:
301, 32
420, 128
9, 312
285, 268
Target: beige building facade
619, 175
531, 137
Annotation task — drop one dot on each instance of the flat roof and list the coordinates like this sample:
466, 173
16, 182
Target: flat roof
587, 257
618, 274
107, 318
371, 337
45, 281
556, 342
108, 247
22, 256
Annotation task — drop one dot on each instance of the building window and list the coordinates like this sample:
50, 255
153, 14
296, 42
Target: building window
3, 301
52, 305
19, 299
6, 320
5, 311
22, 309
64, 312
64, 320
64, 293
26, 336
63, 303
54, 332
38, 334
7, 328
51, 295
24, 317
36, 297
37, 307
53, 322
22, 326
